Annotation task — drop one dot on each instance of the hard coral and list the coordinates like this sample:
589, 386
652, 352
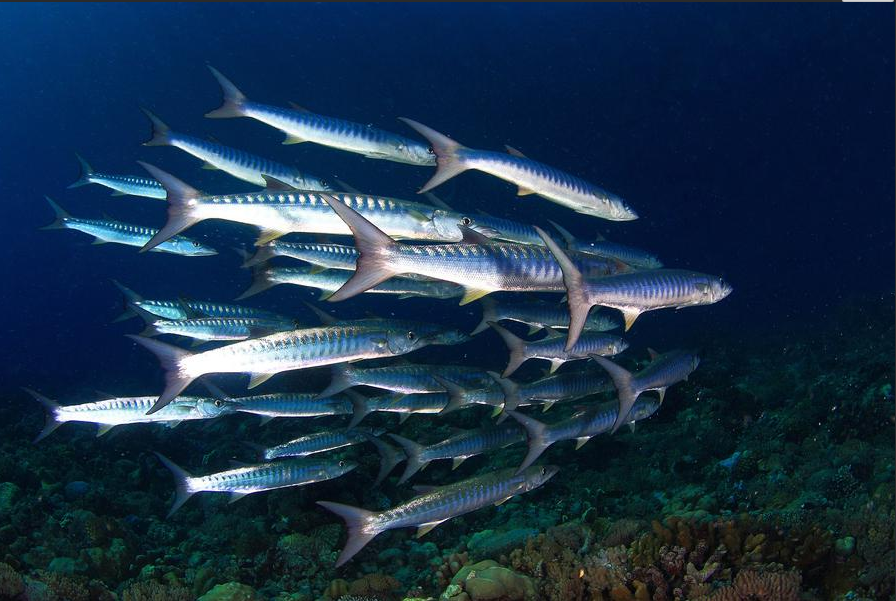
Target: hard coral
152, 590
11, 584
378, 586
751, 585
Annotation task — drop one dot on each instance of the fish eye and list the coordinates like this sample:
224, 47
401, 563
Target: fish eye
544, 471
430, 150
411, 336
342, 464
323, 183
219, 403
196, 243
400, 146
466, 221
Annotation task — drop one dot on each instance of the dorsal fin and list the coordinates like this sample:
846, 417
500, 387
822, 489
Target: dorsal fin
438, 202
469, 236
324, 317
191, 313
297, 107
653, 354
552, 333
277, 185
513, 151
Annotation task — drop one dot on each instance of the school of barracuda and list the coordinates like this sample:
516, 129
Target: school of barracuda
403, 248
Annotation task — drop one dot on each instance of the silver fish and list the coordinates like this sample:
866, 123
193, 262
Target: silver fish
120, 185
276, 213
185, 309
478, 263
405, 378
582, 426
300, 125
530, 176
319, 442
248, 479
104, 231
552, 349
293, 404
205, 329
552, 389
633, 293
664, 371
538, 315
297, 349
329, 281
118, 411
431, 508
630, 255
240, 164
459, 447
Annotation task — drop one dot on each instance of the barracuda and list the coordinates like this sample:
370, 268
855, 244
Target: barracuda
431, 508
121, 185
478, 264
118, 411
298, 349
633, 293
459, 447
552, 389
664, 371
282, 212
329, 281
248, 479
241, 165
218, 328
582, 426
640, 259
552, 348
538, 315
116, 232
304, 126
405, 379
319, 442
185, 309
530, 176
292, 404
326, 256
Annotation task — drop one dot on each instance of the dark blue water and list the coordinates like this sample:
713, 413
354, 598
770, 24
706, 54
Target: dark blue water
756, 143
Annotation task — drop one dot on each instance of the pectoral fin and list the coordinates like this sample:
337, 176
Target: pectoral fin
555, 365
258, 379
457, 461
471, 294
524, 191
630, 315
580, 442
502, 501
209, 167
102, 429
291, 139
236, 496
268, 235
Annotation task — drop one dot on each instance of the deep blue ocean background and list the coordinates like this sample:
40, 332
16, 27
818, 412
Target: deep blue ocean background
755, 141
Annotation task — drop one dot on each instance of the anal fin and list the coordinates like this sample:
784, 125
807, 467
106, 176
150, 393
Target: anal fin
424, 528
471, 294
258, 379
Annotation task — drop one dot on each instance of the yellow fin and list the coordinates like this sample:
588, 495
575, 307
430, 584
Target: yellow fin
209, 167
524, 191
471, 294
513, 151
455, 463
662, 392
258, 379
298, 107
547, 405
555, 365
630, 315
291, 139
580, 442
316, 269
533, 329
418, 216
117, 193
424, 528
266, 235
102, 429
502, 501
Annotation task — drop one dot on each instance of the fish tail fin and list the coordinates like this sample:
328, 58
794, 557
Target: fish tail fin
61, 216
181, 198
261, 281
448, 164
161, 133
130, 299
360, 526
535, 432
414, 452
575, 292
375, 249
148, 318
511, 392
516, 346
567, 236
171, 359
52, 408
489, 313
360, 407
263, 254
625, 389
234, 101
182, 490
341, 378
84, 176
389, 456
455, 394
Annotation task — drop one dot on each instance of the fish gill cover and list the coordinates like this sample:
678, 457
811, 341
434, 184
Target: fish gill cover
463, 243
